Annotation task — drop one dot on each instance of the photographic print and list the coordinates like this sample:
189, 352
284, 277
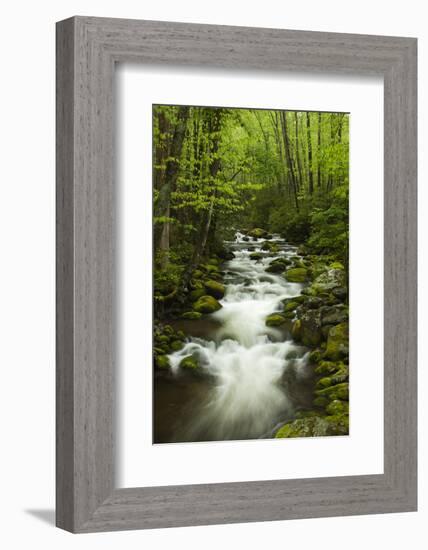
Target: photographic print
250, 274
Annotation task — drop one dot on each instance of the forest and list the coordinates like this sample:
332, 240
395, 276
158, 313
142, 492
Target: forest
268, 190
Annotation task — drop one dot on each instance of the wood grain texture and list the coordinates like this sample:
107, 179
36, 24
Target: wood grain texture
87, 49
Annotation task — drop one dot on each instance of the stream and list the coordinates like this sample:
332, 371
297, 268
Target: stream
253, 377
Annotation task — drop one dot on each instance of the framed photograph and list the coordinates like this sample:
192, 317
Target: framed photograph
236, 274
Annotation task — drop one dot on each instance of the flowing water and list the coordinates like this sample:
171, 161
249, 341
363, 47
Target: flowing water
253, 377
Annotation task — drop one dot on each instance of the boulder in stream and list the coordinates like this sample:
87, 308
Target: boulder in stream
215, 289
296, 275
206, 304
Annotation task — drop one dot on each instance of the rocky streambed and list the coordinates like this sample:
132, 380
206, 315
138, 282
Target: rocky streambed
259, 350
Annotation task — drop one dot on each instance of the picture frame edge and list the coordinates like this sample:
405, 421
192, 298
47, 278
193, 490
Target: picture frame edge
87, 50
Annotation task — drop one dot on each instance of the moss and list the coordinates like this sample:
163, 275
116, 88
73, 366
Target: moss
291, 305
338, 342
299, 299
296, 275
320, 401
324, 382
327, 367
191, 315
274, 320
336, 265
206, 304
315, 356
289, 314
275, 267
339, 391
258, 233
197, 274
189, 363
337, 407
209, 268
180, 335
296, 330
196, 294
338, 424
176, 345
315, 426
162, 362
163, 339
215, 289
167, 329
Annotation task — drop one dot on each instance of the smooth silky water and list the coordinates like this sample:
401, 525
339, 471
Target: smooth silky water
253, 377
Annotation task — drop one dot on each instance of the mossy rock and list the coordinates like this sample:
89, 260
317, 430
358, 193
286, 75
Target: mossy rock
176, 345
324, 382
158, 351
311, 327
313, 302
274, 320
335, 316
197, 274
195, 284
328, 280
296, 330
163, 339
338, 342
167, 329
338, 424
189, 363
256, 256
337, 407
215, 289
191, 315
336, 265
180, 335
275, 267
196, 294
213, 261
162, 362
209, 268
299, 299
339, 391
320, 402
315, 356
327, 367
258, 233
206, 304
313, 426
340, 293
296, 275
268, 246
291, 305
289, 314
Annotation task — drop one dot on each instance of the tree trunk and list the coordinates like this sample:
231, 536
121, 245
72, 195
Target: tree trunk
299, 166
289, 158
310, 168
163, 206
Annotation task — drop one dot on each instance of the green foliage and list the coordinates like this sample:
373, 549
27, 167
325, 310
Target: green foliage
294, 226
284, 172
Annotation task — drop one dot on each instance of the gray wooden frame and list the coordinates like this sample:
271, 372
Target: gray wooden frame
87, 50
